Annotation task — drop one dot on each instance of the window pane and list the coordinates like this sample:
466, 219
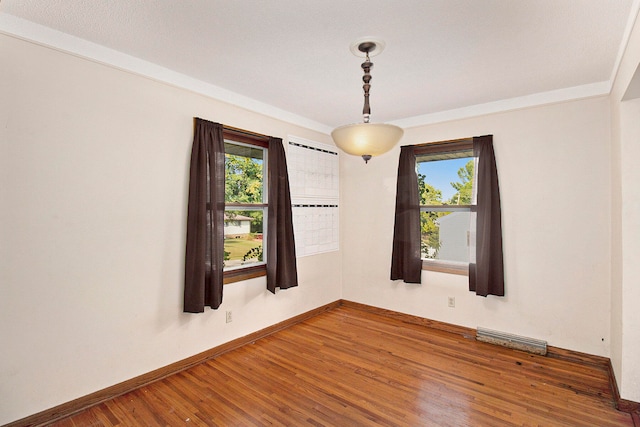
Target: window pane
243, 238
448, 181
244, 168
445, 235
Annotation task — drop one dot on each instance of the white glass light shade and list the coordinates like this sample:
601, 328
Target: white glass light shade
367, 138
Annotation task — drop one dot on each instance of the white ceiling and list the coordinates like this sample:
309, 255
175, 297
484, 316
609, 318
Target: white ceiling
293, 56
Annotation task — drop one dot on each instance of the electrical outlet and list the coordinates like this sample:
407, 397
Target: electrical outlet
229, 317
451, 302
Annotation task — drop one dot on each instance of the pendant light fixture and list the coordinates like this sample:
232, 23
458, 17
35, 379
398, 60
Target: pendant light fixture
366, 139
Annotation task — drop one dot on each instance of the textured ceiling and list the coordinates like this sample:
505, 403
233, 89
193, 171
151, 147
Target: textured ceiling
294, 55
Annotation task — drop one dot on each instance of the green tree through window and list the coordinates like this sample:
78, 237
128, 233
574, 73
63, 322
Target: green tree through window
243, 178
464, 188
430, 242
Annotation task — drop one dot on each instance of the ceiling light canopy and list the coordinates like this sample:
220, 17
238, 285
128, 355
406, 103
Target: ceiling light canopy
367, 139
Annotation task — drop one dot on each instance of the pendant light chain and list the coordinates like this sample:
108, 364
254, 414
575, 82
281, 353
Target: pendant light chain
366, 67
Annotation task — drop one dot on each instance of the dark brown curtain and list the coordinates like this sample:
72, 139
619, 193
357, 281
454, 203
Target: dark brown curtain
205, 219
405, 259
486, 276
281, 251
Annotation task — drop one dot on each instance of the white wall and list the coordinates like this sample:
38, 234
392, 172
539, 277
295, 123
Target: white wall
630, 173
94, 171
554, 168
616, 246
625, 295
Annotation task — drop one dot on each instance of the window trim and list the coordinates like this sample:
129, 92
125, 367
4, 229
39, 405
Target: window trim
444, 146
431, 148
250, 138
246, 273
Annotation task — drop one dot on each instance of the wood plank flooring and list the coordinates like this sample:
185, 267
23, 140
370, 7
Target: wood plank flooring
349, 367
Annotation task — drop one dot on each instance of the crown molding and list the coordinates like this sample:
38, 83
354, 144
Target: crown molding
48, 37
631, 22
528, 101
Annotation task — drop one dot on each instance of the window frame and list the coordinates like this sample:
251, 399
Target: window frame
244, 137
433, 148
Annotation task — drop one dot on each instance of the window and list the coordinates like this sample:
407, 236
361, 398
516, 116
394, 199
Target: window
246, 206
446, 178
228, 193
443, 217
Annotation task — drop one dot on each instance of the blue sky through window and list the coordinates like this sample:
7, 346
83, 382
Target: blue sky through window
442, 173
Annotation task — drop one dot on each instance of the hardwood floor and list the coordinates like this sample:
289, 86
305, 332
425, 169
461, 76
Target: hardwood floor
348, 367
